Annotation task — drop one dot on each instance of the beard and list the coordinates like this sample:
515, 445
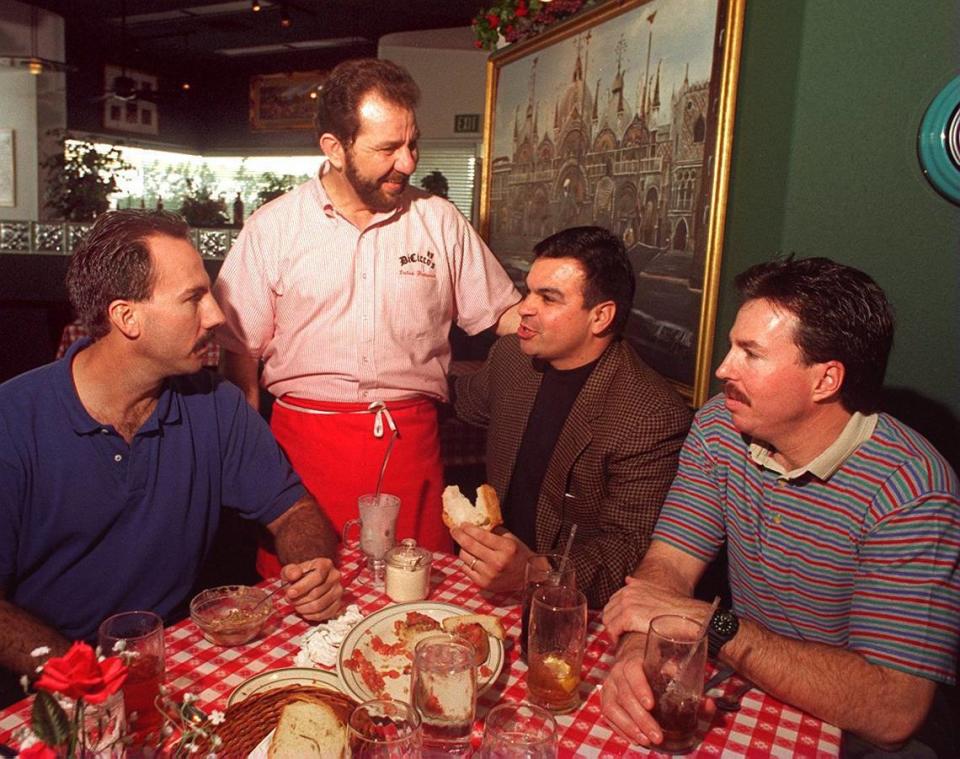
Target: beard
370, 191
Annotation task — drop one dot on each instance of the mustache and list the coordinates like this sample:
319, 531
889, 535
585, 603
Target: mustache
204, 341
731, 392
397, 177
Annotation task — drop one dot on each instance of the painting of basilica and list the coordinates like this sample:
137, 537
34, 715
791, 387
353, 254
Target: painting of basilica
621, 118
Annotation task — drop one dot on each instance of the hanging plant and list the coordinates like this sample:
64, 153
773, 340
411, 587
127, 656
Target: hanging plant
517, 20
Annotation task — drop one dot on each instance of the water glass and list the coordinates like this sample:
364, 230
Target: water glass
137, 636
519, 731
443, 689
541, 569
378, 525
673, 662
558, 639
384, 730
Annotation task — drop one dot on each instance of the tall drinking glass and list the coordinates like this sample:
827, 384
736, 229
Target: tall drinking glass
558, 638
519, 731
673, 663
138, 635
443, 690
384, 730
378, 524
541, 569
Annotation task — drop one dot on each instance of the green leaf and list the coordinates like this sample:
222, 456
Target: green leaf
49, 721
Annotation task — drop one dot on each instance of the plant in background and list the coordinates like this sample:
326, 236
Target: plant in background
517, 20
75, 680
81, 178
201, 209
273, 186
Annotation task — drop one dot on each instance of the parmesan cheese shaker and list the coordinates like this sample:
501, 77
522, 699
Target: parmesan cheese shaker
408, 572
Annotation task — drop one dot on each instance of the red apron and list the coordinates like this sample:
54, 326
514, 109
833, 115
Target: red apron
338, 456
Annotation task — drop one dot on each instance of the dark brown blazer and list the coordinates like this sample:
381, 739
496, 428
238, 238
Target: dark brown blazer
612, 465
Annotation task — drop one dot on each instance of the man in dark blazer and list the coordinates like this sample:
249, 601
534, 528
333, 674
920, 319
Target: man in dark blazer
579, 430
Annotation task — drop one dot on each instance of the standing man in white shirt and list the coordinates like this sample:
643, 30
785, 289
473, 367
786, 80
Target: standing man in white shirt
345, 288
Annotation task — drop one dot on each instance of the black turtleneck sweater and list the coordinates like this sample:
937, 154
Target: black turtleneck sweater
558, 391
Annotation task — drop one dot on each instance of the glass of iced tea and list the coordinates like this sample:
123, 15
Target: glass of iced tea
673, 662
558, 637
541, 569
137, 636
443, 690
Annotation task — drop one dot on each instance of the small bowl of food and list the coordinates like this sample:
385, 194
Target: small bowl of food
230, 615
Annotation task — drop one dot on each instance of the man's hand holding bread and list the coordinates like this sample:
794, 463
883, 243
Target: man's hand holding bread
493, 558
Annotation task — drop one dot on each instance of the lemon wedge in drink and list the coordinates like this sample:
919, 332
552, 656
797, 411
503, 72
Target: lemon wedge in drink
561, 672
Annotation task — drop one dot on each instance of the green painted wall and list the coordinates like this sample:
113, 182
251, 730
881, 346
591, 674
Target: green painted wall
824, 163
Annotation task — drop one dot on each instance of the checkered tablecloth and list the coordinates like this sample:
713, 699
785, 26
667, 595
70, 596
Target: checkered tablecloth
763, 727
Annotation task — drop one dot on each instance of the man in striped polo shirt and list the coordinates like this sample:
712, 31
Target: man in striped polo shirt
842, 524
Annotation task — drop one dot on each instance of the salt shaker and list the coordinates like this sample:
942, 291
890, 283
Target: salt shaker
408, 572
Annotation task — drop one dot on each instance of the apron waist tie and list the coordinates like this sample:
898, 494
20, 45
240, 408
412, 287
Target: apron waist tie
378, 408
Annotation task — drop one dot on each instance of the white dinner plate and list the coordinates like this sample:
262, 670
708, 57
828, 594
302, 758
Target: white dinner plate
380, 623
280, 678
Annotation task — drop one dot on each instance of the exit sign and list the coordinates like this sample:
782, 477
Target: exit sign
466, 122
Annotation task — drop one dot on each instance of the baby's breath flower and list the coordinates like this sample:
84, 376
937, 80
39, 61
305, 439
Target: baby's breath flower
119, 646
40, 651
189, 698
217, 717
217, 741
192, 748
167, 730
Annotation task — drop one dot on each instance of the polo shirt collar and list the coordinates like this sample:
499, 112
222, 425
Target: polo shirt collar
165, 412
858, 429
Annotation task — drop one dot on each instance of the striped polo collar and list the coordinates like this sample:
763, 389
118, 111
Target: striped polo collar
858, 429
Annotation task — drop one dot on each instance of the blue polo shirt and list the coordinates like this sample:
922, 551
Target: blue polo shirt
90, 526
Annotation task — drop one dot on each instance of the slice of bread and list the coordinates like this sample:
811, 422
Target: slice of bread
309, 729
458, 510
491, 624
475, 629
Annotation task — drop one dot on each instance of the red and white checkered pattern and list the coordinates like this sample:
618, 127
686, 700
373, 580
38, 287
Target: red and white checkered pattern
763, 727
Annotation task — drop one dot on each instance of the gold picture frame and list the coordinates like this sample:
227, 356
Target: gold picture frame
622, 116
283, 102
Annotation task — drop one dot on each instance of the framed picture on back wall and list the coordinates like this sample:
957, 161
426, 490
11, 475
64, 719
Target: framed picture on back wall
280, 102
622, 116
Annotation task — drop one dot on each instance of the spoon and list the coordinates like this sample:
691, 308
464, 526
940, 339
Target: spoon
731, 703
273, 592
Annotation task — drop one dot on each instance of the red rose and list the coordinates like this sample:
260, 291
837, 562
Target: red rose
38, 750
78, 674
477, 44
494, 20
521, 10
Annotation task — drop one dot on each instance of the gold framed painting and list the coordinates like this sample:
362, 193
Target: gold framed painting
622, 117
281, 102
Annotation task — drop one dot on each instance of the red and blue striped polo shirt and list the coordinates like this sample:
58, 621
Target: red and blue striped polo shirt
868, 559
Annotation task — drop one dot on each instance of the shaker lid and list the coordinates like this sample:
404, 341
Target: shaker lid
408, 555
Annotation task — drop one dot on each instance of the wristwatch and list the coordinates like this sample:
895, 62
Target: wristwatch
724, 624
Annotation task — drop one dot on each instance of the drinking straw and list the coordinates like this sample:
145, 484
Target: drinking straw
566, 551
703, 631
383, 467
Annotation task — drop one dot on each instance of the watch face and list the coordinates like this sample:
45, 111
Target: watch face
725, 623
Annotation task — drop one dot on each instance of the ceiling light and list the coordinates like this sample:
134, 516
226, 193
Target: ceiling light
185, 86
255, 6
285, 21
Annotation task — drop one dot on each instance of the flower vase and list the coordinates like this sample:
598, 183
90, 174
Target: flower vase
104, 726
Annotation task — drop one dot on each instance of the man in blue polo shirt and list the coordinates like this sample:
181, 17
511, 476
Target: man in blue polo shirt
115, 461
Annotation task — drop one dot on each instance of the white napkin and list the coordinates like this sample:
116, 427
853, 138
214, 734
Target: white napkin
320, 645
